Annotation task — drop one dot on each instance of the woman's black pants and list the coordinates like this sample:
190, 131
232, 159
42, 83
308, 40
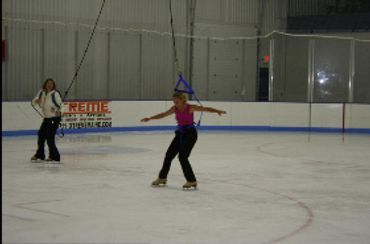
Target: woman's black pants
47, 133
182, 145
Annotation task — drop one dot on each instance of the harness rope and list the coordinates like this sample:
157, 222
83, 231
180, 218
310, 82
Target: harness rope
74, 79
181, 79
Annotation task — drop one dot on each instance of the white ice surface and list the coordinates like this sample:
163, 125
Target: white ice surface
253, 188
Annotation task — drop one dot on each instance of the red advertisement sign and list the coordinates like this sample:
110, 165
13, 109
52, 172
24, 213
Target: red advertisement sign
87, 114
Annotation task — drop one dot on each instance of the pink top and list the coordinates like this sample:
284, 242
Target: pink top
185, 117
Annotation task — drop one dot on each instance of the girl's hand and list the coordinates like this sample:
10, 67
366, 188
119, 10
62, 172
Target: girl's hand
145, 120
38, 101
57, 113
220, 112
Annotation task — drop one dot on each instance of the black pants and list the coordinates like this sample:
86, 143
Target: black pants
182, 144
47, 133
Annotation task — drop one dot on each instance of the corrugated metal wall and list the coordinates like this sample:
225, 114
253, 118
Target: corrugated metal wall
244, 12
47, 39
274, 15
305, 7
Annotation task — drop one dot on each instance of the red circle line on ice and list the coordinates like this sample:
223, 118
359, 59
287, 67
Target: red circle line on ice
309, 213
308, 221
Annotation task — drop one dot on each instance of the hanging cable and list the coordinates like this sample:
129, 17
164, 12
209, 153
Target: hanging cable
176, 61
85, 52
42, 116
80, 63
181, 79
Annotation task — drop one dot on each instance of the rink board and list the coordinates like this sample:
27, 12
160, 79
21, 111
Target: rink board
18, 118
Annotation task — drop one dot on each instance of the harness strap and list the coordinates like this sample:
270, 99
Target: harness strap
181, 129
189, 91
54, 100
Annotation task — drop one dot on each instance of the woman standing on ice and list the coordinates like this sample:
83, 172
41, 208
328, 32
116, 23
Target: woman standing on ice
49, 100
184, 141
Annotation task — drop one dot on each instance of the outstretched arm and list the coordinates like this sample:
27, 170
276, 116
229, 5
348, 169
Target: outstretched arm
206, 109
160, 116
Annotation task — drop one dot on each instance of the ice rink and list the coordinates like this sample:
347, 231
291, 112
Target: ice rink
254, 187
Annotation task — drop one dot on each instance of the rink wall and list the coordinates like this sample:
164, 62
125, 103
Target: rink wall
19, 118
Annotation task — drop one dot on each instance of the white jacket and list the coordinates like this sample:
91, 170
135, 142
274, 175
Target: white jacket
51, 103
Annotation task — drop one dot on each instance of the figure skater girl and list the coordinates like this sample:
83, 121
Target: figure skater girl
49, 100
185, 138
